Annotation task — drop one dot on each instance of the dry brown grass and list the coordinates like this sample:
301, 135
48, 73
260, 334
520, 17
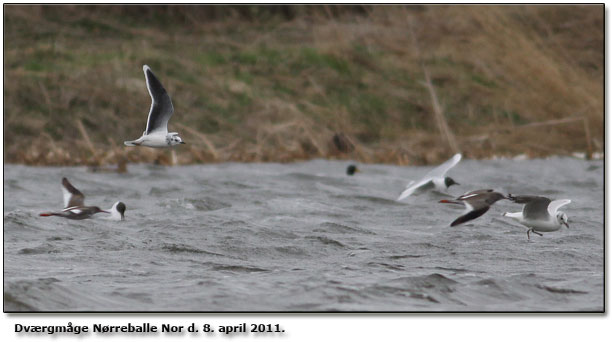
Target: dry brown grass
276, 83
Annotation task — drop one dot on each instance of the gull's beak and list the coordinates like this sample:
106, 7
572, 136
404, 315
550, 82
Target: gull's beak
357, 170
567, 225
182, 142
104, 211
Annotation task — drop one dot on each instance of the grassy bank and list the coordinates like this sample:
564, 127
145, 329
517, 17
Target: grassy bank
275, 83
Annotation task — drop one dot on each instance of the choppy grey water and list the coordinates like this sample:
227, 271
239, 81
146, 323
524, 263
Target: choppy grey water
300, 237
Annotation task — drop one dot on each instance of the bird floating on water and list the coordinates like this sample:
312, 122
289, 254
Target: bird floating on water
540, 214
434, 179
351, 169
156, 133
117, 212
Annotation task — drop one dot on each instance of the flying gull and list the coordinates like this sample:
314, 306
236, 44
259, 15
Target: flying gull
156, 134
539, 214
434, 179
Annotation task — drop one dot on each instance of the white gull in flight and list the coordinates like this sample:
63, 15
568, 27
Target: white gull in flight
156, 134
434, 179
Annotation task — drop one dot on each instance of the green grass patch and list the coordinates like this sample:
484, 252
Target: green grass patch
244, 58
515, 117
244, 76
311, 57
280, 88
22, 129
270, 56
370, 112
92, 27
483, 81
210, 58
53, 130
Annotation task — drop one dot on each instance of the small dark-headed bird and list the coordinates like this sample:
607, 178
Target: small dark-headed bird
351, 169
117, 212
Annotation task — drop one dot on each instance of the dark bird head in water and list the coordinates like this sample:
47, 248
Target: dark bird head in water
121, 210
351, 169
449, 181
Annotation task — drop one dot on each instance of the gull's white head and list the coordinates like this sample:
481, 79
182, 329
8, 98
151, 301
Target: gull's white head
562, 218
174, 139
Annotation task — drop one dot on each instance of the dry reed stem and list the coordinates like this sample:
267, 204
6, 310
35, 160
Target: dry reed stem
45, 93
194, 152
551, 122
173, 158
584, 119
87, 140
202, 136
53, 145
587, 133
439, 115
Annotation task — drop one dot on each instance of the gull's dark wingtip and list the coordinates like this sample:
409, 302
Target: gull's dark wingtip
66, 183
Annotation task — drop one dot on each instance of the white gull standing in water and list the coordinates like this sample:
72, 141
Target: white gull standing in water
156, 134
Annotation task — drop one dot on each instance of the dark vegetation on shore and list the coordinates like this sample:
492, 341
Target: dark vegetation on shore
384, 84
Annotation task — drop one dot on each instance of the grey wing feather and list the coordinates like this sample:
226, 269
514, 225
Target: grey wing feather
443, 168
536, 207
72, 196
422, 185
161, 104
473, 193
525, 199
